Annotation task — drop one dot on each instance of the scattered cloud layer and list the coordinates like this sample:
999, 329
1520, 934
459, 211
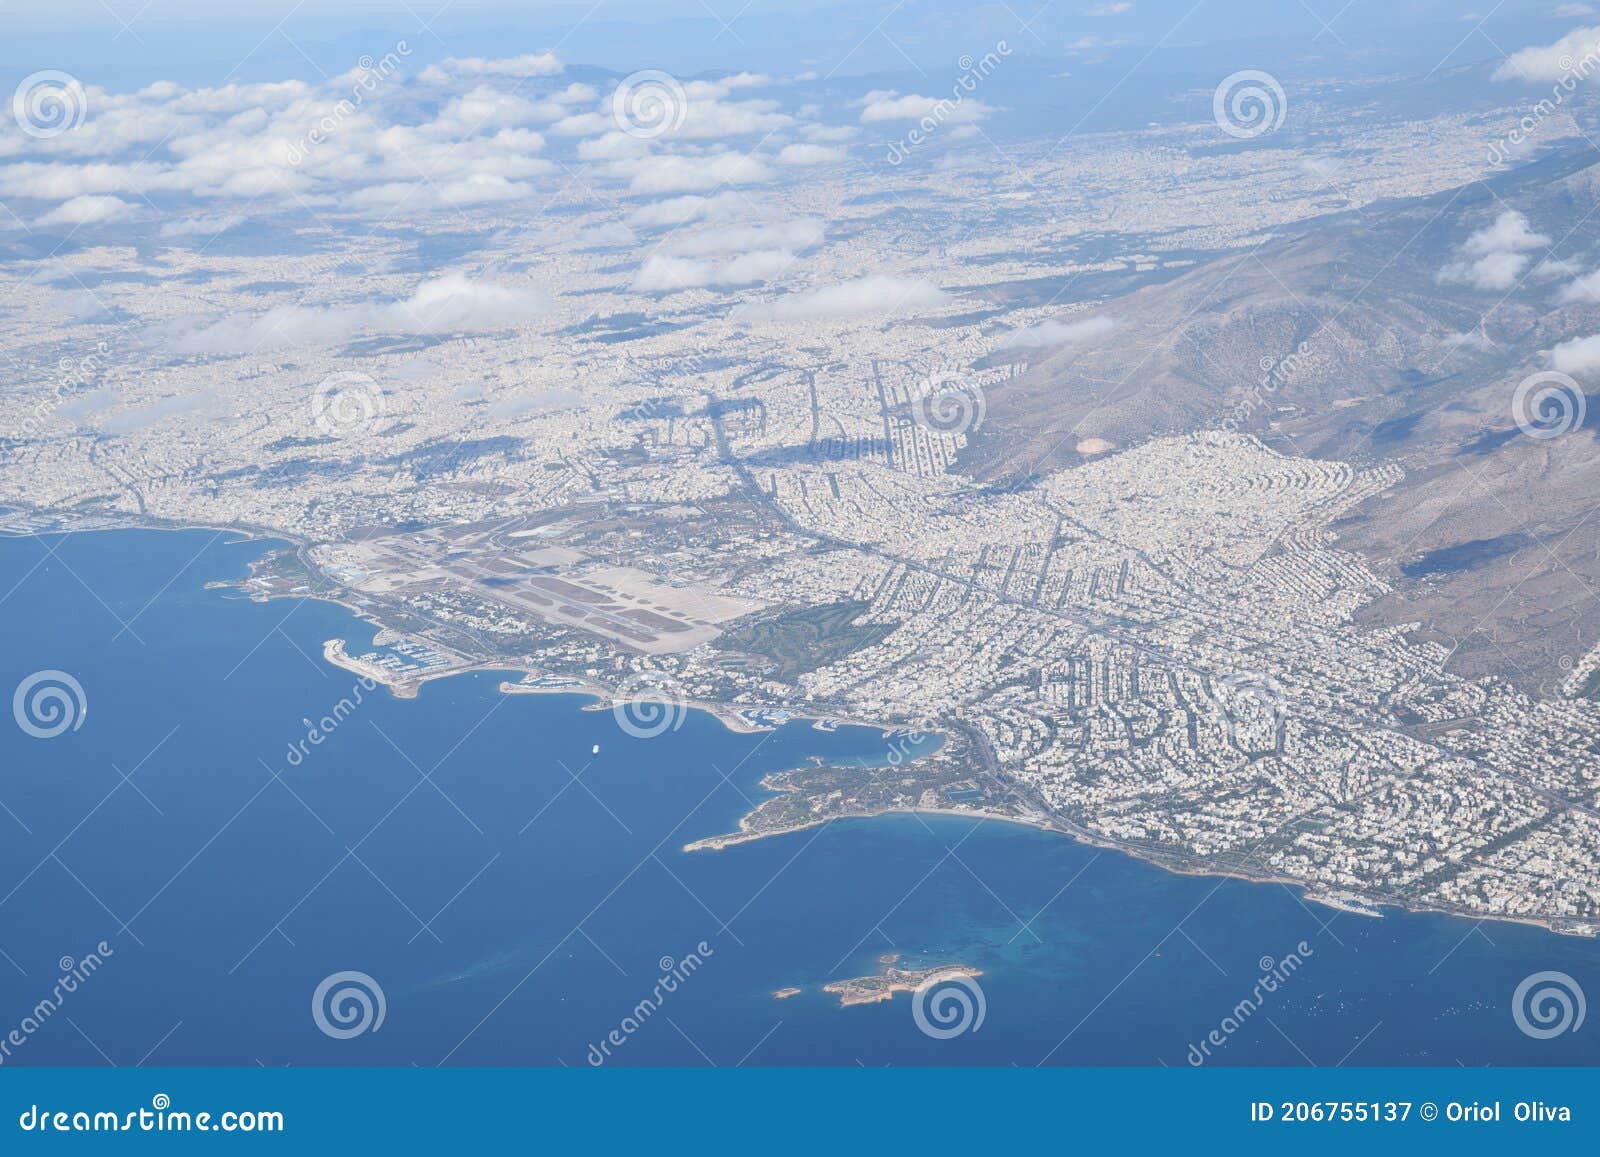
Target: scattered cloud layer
449, 304
719, 256
394, 139
877, 294
542, 64
811, 155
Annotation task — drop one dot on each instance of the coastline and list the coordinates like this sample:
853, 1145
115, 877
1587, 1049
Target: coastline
1344, 900
1340, 900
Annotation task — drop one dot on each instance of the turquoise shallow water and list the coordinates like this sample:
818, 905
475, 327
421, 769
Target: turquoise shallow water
516, 900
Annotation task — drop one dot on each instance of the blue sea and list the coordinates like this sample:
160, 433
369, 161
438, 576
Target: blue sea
517, 900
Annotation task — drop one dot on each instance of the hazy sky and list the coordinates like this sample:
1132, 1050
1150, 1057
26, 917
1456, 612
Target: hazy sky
120, 43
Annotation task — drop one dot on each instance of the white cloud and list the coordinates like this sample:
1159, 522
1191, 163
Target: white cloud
87, 210
1586, 288
542, 64
60, 182
1495, 256
662, 273
1577, 355
204, 225
1493, 271
1053, 333
889, 105
682, 210
449, 304
1554, 268
473, 189
761, 252
801, 233
542, 402
830, 134
1510, 231
1471, 339
675, 174
613, 235
811, 155
694, 111
1552, 61
1093, 43
1114, 9
139, 417
878, 293
611, 147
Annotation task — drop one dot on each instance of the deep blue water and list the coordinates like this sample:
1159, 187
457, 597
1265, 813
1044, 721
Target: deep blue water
226, 894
